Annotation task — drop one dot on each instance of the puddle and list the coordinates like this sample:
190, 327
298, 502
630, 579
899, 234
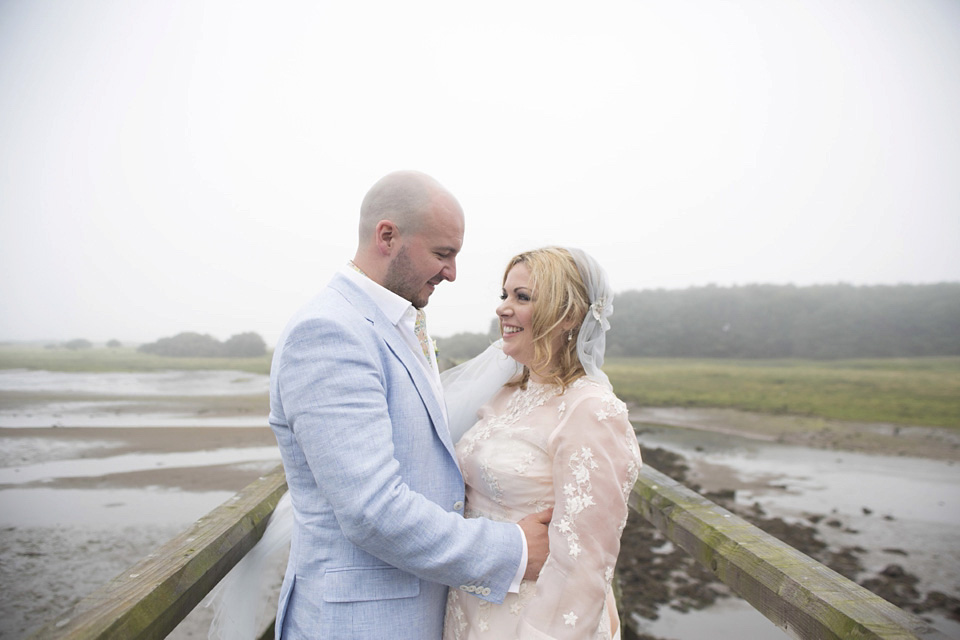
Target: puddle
39, 507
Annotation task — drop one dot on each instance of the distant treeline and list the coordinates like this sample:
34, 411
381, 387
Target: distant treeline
776, 321
196, 345
773, 321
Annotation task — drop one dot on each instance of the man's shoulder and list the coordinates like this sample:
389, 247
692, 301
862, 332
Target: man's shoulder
334, 305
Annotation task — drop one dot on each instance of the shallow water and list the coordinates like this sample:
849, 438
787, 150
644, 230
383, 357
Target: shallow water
880, 502
117, 398
40, 507
106, 414
96, 467
154, 383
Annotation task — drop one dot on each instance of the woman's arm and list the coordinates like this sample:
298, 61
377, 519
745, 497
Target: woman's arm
595, 464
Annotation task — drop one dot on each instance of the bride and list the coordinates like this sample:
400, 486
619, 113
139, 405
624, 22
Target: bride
537, 425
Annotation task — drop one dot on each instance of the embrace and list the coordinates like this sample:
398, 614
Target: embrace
484, 503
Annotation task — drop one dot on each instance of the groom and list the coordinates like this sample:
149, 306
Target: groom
358, 412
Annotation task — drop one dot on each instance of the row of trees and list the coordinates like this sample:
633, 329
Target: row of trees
775, 321
768, 321
80, 343
196, 345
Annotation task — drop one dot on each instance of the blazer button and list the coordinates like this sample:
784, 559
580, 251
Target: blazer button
464, 587
486, 591
458, 505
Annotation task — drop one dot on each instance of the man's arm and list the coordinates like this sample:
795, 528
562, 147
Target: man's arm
536, 532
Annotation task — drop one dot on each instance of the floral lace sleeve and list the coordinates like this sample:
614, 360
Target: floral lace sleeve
595, 464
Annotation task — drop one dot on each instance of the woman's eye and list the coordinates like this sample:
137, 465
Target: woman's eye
503, 296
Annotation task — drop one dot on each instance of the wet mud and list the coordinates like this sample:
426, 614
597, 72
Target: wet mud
654, 573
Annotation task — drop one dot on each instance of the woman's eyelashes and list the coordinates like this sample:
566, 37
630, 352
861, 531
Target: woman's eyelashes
520, 295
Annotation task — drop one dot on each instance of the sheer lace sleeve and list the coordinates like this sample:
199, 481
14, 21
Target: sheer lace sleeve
595, 464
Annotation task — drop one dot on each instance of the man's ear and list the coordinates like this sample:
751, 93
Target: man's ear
388, 237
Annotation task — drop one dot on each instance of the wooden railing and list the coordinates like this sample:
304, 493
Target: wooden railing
800, 595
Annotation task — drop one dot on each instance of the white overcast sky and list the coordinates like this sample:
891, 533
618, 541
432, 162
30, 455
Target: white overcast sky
197, 165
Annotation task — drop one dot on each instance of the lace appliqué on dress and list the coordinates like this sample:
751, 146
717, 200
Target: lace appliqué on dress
520, 405
577, 497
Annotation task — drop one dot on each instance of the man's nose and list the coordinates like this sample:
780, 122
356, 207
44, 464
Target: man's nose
450, 270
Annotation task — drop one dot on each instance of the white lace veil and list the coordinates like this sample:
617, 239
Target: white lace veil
592, 339
466, 388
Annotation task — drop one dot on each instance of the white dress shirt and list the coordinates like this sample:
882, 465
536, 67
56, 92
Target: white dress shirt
401, 313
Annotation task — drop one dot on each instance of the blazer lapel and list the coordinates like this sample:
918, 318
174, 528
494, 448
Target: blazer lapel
391, 335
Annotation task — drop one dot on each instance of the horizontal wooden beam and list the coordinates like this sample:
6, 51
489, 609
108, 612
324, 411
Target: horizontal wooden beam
151, 598
797, 593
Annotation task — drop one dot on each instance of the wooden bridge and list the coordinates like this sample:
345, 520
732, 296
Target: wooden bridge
798, 594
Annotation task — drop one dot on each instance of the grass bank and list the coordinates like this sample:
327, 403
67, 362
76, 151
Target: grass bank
119, 359
912, 391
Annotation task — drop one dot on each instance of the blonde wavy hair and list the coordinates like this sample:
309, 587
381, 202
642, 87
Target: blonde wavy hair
560, 305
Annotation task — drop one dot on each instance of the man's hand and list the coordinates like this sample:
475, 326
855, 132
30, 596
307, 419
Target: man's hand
538, 543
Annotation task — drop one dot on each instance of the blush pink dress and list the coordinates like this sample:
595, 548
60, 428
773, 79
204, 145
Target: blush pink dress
536, 448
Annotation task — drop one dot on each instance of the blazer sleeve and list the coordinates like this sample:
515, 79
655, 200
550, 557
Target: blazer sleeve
596, 460
334, 397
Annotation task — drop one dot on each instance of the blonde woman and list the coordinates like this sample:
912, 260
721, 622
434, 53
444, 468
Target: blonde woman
553, 434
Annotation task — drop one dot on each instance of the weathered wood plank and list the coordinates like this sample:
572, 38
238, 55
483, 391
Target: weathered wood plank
798, 594
151, 598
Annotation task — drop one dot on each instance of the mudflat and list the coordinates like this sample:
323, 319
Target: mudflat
67, 532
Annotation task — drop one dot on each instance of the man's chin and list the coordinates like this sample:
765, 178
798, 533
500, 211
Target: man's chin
421, 300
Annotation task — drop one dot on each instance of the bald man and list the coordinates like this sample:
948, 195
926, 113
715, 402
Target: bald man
358, 412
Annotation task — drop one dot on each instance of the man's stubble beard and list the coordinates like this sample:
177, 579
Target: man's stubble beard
402, 280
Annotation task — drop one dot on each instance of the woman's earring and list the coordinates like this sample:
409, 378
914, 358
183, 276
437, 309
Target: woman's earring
570, 336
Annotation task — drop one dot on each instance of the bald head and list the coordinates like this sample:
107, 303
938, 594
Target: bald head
403, 197
411, 230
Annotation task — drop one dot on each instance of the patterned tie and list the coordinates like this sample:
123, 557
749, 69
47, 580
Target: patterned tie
420, 329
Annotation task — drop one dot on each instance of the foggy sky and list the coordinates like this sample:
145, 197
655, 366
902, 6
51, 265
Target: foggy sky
192, 165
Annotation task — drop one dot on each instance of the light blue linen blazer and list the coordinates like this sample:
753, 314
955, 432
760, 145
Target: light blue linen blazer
377, 493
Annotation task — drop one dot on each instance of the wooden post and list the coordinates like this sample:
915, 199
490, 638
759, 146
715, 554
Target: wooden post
797, 593
151, 598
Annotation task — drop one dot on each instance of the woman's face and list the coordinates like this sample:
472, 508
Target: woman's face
516, 315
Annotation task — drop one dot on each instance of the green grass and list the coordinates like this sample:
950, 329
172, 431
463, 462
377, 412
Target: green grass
119, 359
915, 391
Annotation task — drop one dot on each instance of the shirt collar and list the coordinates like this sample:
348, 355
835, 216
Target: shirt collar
392, 305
